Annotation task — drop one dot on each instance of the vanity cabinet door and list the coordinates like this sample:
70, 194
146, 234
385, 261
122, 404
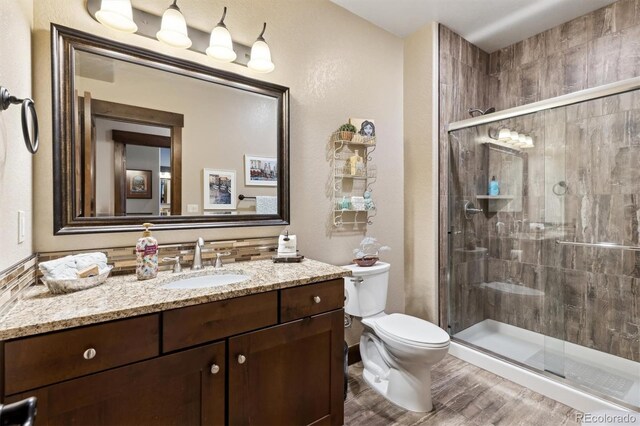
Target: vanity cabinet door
184, 388
291, 374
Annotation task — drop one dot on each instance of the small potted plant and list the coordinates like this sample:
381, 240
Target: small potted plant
369, 251
347, 131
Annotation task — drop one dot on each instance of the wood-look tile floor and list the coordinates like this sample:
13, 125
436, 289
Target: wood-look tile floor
463, 394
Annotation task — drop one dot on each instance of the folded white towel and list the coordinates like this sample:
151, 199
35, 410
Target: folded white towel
266, 204
59, 269
85, 260
66, 268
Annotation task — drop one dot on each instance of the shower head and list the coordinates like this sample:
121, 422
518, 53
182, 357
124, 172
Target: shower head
473, 111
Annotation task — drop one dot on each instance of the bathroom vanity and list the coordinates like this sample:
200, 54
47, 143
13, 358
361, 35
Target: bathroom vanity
265, 351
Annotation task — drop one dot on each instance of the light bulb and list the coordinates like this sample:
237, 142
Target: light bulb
220, 43
261, 55
173, 29
117, 15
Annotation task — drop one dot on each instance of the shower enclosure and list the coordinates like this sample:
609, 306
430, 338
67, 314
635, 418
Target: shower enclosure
547, 273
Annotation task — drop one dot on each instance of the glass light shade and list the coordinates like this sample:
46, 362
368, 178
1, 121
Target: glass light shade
504, 135
173, 29
261, 57
528, 142
220, 45
117, 15
522, 140
515, 138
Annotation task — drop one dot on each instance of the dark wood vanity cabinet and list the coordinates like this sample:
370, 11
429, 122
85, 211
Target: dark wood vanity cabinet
185, 388
290, 374
234, 362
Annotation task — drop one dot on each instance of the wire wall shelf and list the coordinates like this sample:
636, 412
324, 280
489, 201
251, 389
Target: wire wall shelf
353, 179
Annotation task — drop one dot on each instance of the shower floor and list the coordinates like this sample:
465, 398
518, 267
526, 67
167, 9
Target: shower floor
603, 373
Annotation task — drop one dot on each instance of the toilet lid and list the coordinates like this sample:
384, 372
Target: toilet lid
411, 329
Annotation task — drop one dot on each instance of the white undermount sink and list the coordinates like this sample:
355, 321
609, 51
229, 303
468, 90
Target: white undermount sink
206, 281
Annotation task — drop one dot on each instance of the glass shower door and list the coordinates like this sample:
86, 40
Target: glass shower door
553, 227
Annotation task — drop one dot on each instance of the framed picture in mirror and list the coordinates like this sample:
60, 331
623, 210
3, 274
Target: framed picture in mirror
219, 189
260, 171
139, 184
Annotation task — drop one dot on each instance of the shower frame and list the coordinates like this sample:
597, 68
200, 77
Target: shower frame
577, 97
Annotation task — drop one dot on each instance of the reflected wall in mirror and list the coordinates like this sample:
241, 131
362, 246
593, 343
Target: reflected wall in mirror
139, 134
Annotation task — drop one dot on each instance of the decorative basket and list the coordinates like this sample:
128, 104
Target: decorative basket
366, 261
77, 284
346, 136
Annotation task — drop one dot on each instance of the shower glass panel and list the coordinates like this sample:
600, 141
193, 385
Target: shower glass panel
531, 279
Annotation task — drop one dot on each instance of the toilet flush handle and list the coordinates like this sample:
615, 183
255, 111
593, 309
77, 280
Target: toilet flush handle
358, 280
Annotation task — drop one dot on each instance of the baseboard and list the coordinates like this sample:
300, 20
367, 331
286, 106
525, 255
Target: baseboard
354, 354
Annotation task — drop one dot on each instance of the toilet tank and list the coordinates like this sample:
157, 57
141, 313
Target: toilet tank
366, 291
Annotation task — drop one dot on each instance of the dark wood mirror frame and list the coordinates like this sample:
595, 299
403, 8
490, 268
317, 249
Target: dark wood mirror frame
64, 43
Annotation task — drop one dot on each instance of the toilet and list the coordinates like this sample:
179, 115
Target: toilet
397, 350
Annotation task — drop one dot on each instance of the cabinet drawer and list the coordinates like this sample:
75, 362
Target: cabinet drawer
42, 360
312, 299
193, 325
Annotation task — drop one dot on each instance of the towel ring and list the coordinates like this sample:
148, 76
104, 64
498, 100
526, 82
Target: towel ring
560, 188
28, 106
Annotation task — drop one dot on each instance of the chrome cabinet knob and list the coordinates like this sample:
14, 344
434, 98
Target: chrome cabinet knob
89, 353
215, 369
317, 299
242, 359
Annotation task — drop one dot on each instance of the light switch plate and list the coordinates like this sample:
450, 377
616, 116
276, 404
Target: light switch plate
21, 226
192, 208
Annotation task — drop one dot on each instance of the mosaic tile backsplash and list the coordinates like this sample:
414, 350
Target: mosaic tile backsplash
14, 280
123, 259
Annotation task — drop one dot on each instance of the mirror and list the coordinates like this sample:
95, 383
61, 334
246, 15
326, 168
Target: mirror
143, 137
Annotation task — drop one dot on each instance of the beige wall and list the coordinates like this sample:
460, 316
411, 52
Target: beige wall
337, 66
421, 172
16, 163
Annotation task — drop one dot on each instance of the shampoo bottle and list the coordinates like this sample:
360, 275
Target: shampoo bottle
494, 187
147, 255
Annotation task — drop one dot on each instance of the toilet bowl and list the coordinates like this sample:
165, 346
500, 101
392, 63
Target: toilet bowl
397, 350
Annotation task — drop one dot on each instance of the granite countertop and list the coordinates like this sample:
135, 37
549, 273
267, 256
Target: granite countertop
124, 296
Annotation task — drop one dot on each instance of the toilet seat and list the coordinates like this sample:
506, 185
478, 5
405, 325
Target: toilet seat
410, 331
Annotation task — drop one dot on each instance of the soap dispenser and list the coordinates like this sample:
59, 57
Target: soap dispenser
147, 255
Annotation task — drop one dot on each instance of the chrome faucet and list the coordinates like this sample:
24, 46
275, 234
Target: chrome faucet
197, 255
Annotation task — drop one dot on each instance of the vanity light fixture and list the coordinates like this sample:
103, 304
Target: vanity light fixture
117, 15
173, 29
220, 44
261, 55
507, 137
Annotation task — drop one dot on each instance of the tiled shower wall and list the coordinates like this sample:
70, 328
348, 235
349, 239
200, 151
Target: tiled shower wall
591, 295
463, 83
595, 49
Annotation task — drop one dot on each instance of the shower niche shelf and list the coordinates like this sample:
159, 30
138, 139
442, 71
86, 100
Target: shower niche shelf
497, 203
352, 180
